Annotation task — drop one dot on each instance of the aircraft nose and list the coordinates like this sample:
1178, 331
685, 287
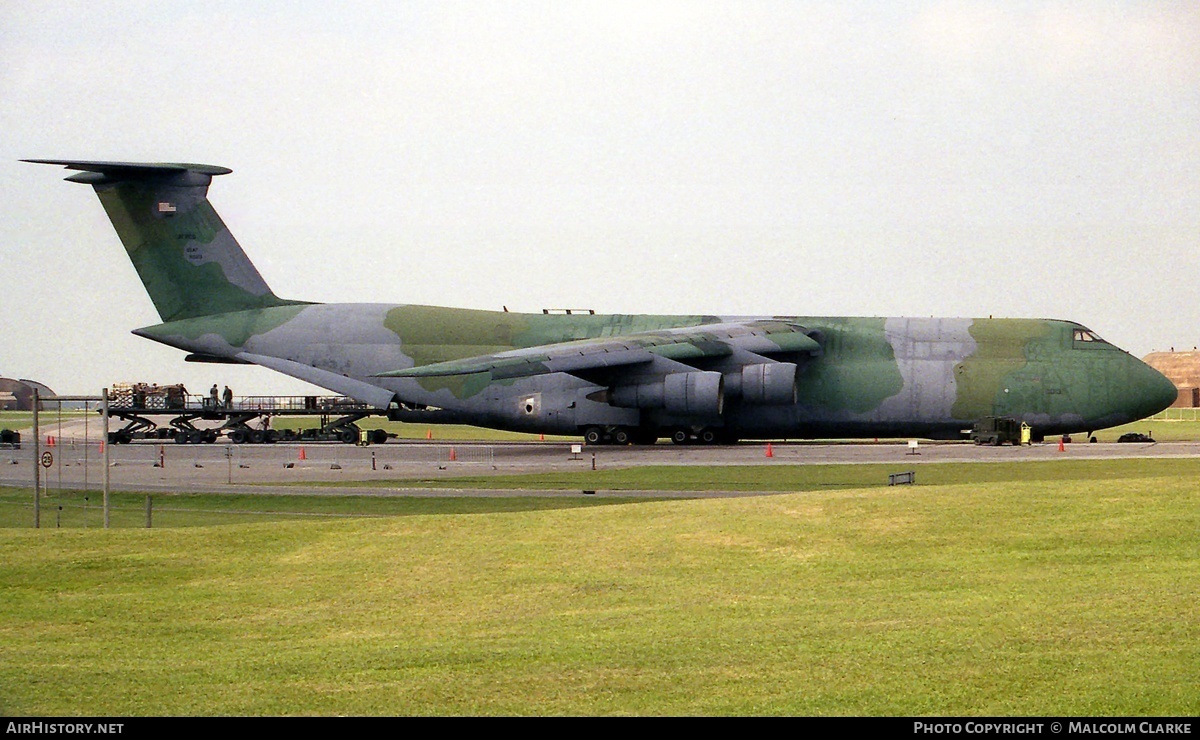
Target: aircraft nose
1150, 391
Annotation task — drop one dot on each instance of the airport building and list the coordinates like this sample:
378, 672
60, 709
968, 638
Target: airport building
17, 395
1183, 369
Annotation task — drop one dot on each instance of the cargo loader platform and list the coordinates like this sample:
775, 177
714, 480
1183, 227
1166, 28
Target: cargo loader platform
244, 419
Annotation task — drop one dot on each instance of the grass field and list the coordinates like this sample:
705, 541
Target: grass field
203, 510
1056, 588
16, 419
1163, 430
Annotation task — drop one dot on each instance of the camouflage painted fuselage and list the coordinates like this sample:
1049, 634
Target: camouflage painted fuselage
612, 377
871, 377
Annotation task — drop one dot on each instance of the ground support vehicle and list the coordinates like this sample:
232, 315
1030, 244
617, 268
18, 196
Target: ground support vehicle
999, 430
247, 419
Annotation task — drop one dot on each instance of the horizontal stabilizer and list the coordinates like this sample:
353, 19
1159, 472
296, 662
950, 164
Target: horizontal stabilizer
218, 359
117, 171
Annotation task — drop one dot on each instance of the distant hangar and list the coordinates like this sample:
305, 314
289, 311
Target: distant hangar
1183, 369
17, 395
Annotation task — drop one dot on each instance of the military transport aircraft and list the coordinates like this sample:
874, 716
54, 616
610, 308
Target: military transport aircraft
612, 378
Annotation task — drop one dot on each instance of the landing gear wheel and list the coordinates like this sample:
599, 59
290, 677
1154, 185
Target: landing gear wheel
680, 436
593, 436
709, 436
622, 437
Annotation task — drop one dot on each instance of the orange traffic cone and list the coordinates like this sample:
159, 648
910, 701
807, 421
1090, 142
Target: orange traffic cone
541, 438
453, 457
49, 440
302, 455
428, 434
1061, 447
770, 450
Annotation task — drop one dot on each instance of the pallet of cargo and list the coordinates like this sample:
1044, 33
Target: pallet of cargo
241, 420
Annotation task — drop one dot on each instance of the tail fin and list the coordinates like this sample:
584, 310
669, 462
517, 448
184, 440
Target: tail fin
187, 259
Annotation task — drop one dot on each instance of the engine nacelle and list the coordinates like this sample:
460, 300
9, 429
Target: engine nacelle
773, 382
685, 394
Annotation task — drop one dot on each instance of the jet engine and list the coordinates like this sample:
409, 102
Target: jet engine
690, 394
773, 382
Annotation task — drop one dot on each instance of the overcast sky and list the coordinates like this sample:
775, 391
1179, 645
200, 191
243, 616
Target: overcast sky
1023, 159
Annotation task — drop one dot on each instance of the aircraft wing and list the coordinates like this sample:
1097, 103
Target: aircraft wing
589, 358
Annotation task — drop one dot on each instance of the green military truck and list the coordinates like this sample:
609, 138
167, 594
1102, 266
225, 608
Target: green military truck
998, 430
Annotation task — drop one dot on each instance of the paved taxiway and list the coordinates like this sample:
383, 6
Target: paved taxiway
343, 469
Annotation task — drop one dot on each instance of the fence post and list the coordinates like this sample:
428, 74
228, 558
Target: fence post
37, 461
104, 414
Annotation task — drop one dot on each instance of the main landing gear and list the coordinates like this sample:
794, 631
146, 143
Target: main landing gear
702, 436
598, 435
619, 435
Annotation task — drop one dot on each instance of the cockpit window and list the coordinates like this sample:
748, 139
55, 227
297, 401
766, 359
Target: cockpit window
1087, 336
